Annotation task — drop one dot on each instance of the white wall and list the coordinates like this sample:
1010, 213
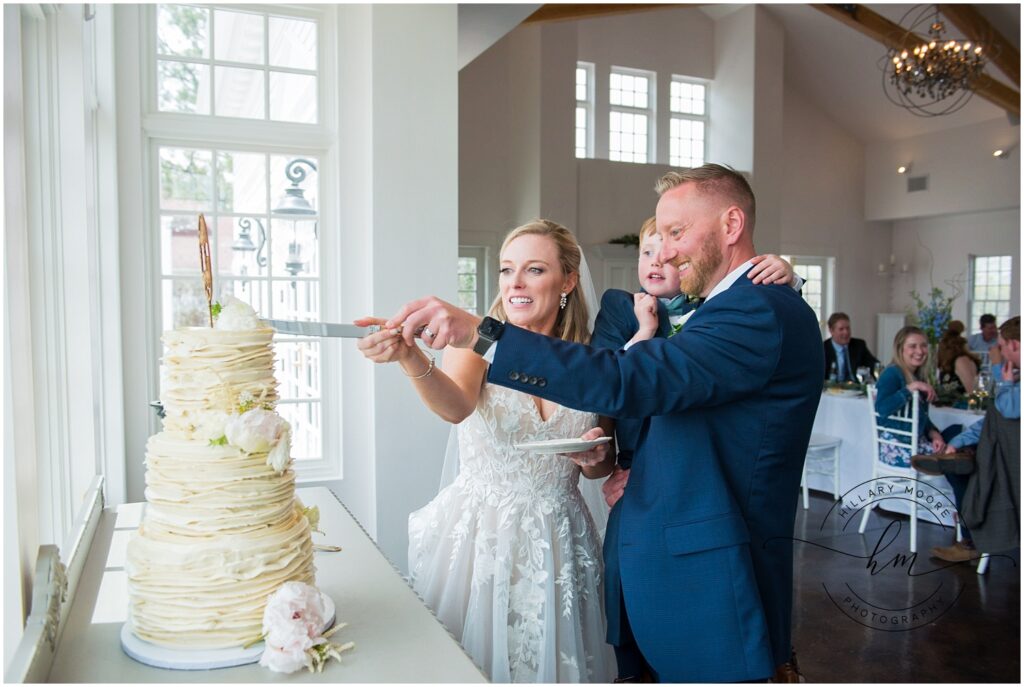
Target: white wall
947, 241
963, 176
398, 194
822, 210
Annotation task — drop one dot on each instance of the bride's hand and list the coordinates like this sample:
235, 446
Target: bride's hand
595, 456
384, 346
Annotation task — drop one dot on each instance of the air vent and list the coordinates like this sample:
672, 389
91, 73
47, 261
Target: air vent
917, 183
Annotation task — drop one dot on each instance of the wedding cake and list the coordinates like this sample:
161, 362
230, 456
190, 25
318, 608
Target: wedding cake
222, 528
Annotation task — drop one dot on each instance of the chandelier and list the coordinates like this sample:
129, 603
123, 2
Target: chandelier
935, 75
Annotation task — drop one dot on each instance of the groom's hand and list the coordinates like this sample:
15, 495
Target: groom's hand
436, 323
615, 485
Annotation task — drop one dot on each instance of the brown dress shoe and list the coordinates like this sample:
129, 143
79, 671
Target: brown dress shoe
957, 553
960, 463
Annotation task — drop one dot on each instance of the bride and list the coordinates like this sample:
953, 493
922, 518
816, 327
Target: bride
508, 554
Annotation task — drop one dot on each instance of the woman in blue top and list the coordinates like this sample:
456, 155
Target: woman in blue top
896, 386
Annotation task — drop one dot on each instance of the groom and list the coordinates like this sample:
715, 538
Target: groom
698, 551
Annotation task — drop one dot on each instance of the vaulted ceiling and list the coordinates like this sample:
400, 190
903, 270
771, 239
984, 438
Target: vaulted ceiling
833, 65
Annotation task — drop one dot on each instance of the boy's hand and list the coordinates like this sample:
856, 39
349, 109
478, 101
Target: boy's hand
615, 485
770, 269
645, 307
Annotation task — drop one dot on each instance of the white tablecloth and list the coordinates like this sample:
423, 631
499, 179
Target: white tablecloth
849, 418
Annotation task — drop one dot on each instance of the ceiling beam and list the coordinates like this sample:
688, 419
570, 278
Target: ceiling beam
567, 12
892, 35
976, 28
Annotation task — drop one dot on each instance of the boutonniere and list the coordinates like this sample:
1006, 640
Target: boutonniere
678, 326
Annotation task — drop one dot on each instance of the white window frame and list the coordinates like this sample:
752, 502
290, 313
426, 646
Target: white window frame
239, 134
479, 253
971, 276
705, 118
588, 106
828, 281
651, 110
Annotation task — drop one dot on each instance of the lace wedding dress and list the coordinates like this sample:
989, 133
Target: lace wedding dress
508, 556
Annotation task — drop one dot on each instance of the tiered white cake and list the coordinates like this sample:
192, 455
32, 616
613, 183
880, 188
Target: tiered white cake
222, 529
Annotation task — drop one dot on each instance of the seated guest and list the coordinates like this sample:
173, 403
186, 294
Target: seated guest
843, 352
957, 365
895, 390
959, 461
988, 338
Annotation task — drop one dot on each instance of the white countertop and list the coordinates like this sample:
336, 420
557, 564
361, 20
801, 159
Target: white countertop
397, 638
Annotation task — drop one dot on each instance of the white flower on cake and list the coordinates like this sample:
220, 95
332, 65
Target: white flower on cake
292, 623
259, 430
210, 425
236, 315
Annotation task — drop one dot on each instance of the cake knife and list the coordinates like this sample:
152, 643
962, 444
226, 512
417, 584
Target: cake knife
328, 329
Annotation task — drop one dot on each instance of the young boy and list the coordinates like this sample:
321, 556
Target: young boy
626, 318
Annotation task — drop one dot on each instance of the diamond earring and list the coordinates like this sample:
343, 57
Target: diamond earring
563, 300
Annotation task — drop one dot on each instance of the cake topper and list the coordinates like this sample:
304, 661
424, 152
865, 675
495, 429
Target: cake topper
205, 264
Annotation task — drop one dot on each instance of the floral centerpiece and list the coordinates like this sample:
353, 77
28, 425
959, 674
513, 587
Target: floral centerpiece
933, 317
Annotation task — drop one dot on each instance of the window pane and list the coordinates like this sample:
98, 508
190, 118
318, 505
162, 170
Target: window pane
298, 369
293, 98
242, 247
295, 300
293, 43
185, 179
253, 292
242, 182
239, 92
182, 31
309, 183
183, 87
294, 247
238, 37
304, 419
179, 245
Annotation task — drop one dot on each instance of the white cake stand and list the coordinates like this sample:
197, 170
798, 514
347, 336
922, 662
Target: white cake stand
199, 659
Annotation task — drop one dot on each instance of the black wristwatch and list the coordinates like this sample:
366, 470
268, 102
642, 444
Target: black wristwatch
488, 331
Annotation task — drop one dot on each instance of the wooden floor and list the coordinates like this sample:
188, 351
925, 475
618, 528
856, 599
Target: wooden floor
942, 624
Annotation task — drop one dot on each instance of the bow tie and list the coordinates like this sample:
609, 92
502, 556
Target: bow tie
682, 304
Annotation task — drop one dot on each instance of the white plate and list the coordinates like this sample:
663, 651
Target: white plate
562, 445
199, 659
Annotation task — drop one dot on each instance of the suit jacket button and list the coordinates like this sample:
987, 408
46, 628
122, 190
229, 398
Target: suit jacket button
542, 382
513, 375
531, 380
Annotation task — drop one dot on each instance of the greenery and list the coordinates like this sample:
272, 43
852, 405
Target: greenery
626, 240
934, 316
222, 440
216, 308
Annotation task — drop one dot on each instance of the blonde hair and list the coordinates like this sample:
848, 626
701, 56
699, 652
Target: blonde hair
650, 226
712, 179
897, 354
571, 324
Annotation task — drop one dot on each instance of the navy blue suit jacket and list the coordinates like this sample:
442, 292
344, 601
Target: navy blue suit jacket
701, 544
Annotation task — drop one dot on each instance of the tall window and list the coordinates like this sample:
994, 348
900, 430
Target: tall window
472, 276
989, 288
688, 122
584, 109
261, 203
631, 117
818, 275
229, 63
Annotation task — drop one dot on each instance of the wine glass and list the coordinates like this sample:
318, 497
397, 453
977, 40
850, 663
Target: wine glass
862, 374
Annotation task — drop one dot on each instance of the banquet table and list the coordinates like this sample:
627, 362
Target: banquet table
397, 638
849, 418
